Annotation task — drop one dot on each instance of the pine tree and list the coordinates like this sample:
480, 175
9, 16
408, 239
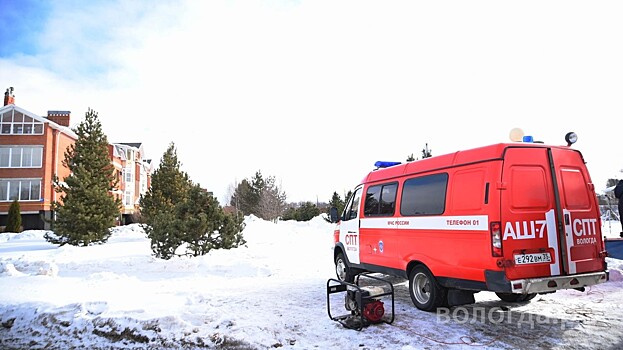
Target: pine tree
14, 220
337, 202
257, 187
307, 211
243, 198
259, 196
86, 209
205, 225
289, 214
426, 153
169, 186
178, 212
347, 196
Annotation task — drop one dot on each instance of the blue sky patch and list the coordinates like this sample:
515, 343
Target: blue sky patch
21, 22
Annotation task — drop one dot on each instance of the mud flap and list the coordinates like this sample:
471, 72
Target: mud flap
458, 297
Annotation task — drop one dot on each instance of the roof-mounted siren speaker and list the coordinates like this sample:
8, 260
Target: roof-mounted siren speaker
516, 135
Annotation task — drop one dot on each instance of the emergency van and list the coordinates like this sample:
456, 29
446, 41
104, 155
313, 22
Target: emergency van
518, 219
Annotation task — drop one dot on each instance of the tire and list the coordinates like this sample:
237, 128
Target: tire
529, 296
425, 291
342, 271
515, 298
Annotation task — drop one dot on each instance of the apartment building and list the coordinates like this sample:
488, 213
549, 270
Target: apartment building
133, 173
32, 151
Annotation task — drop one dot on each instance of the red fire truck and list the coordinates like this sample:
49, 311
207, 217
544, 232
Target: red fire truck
518, 219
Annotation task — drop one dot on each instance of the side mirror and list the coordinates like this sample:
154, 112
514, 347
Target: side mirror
333, 216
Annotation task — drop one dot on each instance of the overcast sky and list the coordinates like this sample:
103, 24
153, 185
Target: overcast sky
314, 92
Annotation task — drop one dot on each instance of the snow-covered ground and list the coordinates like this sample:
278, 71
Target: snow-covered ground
270, 293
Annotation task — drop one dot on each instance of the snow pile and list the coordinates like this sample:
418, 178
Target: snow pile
269, 293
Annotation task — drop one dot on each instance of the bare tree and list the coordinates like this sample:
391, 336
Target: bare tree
272, 201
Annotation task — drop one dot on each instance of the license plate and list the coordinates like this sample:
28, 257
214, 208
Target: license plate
534, 258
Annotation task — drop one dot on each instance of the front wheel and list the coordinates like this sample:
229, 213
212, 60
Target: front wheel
343, 272
426, 293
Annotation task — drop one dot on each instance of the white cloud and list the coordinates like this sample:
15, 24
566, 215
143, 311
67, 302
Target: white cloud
314, 92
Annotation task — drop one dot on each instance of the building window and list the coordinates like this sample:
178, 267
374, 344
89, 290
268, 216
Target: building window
128, 175
127, 201
20, 189
143, 183
21, 156
16, 123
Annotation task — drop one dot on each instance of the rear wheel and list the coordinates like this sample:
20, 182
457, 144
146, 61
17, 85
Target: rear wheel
530, 296
343, 272
515, 298
425, 292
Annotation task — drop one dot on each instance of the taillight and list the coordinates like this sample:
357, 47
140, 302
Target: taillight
496, 238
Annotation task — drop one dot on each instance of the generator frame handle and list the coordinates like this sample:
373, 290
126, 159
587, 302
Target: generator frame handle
343, 286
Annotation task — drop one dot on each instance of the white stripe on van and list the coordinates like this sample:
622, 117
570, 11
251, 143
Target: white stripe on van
454, 223
569, 235
552, 240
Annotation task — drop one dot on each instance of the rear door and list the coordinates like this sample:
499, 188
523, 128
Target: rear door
580, 213
530, 236
549, 214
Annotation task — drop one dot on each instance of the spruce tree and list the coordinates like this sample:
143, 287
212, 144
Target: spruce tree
14, 220
426, 153
259, 196
289, 214
337, 202
254, 197
205, 225
177, 212
169, 186
347, 196
243, 198
86, 209
307, 211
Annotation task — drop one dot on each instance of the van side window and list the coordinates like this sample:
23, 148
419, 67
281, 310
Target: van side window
425, 195
352, 207
380, 200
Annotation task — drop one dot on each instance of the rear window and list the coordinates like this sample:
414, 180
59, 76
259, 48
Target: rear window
425, 195
575, 189
528, 187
